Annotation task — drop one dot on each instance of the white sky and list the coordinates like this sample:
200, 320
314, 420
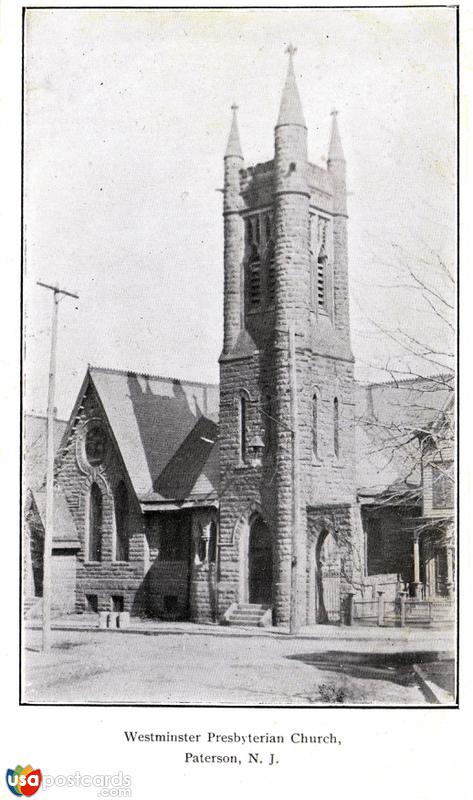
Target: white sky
127, 116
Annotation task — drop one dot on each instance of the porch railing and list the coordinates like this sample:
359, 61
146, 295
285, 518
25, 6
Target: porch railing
402, 611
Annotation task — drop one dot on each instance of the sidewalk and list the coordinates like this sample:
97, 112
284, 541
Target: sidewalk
432, 639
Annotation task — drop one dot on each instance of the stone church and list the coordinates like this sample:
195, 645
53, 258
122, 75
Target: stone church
286, 368
238, 502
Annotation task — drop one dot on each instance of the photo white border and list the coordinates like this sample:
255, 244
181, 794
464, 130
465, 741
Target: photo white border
387, 753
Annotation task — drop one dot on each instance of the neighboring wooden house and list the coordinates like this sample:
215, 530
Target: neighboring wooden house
406, 452
436, 527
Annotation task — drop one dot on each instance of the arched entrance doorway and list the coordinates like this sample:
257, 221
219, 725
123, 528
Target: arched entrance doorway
327, 578
260, 563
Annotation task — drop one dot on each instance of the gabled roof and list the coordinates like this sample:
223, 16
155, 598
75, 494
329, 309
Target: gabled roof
34, 448
65, 533
166, 434
165, 431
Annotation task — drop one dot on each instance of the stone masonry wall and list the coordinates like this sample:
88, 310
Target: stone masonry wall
233, 252
203, 585
107, 578
335, 519
243, 487
323, 365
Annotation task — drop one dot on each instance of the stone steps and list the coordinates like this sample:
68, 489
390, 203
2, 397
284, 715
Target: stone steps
249, 614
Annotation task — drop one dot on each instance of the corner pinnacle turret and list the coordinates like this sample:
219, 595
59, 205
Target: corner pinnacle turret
234, 146
290, 110
335, 151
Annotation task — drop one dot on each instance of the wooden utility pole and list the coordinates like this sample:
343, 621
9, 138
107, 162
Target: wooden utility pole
49, 529
296, 504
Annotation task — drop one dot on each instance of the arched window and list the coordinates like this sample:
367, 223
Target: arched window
315, 426
254, 279
321, 281
336, 434
242, 427
321, 271
95, 444
122, 548
95, 524
201, 549
213, 543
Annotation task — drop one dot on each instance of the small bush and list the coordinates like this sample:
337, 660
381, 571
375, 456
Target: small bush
332, 694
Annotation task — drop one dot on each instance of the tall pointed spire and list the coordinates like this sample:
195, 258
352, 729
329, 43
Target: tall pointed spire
290, 110
234, 146
335, 151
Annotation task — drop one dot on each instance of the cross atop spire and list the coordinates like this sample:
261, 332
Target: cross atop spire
290, 111
234, 146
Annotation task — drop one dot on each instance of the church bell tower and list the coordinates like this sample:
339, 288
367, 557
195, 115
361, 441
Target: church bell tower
286, 370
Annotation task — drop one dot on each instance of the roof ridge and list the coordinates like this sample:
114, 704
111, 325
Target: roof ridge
174, 379
412, 379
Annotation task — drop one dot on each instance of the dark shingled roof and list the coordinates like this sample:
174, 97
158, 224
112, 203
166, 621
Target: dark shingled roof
65, 533
166, 431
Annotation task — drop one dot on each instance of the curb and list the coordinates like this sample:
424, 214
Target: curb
433, 693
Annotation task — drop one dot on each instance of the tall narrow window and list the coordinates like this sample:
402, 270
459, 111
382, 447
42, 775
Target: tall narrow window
249, 232
95, 524
242, 426
257, 229
322, 229
315, 426
122, 523
271, 274
442, 485
336, 433
254, 280
213, 543
321, 281
321, 270
201, 547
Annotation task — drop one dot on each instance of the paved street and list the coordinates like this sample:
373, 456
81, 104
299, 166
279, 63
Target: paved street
179, 664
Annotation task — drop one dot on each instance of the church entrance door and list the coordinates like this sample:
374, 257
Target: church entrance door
328, 579
260, 563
